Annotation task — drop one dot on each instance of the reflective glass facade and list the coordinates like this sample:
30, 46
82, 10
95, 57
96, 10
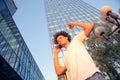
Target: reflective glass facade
13, 48
10, 4
60, 12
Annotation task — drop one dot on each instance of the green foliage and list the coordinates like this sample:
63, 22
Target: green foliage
105, 54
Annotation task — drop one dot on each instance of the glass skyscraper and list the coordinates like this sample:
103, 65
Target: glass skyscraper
60, 12
16, 61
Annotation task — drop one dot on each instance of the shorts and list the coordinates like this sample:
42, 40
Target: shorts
96, 76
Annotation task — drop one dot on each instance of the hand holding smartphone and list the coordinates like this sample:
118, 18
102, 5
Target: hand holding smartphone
57, 49
60, 46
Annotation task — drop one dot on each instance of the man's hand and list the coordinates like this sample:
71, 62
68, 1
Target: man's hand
56, 49
71, 25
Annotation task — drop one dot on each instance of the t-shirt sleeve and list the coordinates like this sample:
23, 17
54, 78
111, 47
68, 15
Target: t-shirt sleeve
81, 36
61, 62
64, 60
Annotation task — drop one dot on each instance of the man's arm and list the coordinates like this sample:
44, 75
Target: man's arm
58, 68
86, 26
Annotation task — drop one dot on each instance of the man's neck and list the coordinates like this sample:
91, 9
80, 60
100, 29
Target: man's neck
67, 44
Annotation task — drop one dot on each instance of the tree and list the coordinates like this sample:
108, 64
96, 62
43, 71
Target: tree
105, 54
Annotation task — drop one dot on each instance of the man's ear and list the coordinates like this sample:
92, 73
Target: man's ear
66, 38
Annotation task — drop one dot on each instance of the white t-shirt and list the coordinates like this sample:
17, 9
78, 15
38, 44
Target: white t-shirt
77, 60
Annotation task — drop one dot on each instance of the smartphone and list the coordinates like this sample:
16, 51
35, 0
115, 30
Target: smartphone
60, 46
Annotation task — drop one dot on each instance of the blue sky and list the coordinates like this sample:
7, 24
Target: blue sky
31, 21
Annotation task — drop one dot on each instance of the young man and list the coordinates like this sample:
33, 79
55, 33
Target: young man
77, 62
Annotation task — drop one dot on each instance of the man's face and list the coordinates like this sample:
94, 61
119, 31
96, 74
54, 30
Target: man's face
62, 40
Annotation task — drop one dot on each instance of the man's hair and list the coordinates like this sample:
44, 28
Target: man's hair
63, 33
